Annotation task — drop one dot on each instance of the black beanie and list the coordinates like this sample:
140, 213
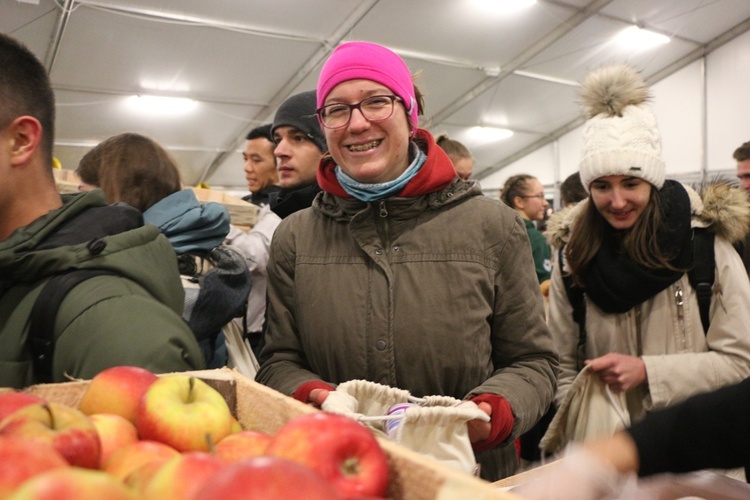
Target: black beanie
298, 111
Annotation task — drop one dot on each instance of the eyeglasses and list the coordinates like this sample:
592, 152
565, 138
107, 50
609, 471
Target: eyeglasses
375, 109
540, 196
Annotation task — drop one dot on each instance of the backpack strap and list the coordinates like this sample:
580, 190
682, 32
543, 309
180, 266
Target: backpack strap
41, 336
576, 299
702, 274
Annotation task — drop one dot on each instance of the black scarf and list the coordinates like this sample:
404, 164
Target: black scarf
616, 284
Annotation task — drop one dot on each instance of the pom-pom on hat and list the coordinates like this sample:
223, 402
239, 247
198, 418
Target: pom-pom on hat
298, 111
369, 61
620, 136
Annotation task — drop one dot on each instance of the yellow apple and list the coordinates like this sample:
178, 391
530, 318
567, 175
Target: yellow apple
244, 444
72, 483
124, 461
66, 429
183, 412
182, 476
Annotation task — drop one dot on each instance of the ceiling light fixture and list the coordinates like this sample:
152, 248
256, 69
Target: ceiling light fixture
504, 6
639, 38
489, 134
161, 105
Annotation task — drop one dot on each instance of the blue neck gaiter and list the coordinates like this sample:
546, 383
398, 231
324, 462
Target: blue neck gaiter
372, 192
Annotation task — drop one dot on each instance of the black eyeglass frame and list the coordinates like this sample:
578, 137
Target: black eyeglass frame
319, 112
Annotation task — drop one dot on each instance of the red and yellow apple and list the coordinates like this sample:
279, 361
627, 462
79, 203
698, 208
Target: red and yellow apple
72, 483
184, 412
244, 444
124, 461
21, 460
340, 449
267, 478
182, 476
117, 390
66, 429
115, 432
12, 401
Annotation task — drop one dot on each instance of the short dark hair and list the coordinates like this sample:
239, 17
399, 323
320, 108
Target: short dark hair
264, 132
742, 153
571, 190
25, 90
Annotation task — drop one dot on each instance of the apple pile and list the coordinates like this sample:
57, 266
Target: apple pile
135, 435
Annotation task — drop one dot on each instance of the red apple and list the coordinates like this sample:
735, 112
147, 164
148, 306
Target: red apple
340, 449
12, 401
117, 390
66, 429
183, 412
123, 462
72, 483
244, 444
22, 460
182, 476
115, 432
267, 478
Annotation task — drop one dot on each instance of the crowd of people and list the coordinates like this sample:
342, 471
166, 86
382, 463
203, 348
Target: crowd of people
376, 257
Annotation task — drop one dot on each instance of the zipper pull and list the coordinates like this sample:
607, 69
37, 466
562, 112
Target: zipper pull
383, 211
679, 299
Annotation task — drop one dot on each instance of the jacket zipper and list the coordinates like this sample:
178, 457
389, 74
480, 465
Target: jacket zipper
679, 301
383, 211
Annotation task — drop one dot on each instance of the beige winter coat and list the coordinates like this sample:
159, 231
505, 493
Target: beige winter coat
664, 331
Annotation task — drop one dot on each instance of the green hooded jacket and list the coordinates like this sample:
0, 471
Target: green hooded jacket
106, 320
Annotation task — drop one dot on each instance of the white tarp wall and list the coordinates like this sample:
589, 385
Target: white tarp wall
702, 112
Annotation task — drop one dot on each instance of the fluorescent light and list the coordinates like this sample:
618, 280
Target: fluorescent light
489, 134
503, 6
160, 105
639, 38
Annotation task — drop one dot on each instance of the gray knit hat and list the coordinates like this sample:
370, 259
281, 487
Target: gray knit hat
299, 111
620, 136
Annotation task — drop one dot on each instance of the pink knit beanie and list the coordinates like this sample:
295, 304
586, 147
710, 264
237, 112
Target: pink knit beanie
369, 61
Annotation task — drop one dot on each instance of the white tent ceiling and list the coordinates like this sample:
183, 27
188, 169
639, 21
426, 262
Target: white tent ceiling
240, 58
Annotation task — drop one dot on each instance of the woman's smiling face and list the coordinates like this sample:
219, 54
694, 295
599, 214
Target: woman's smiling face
620, 199
369, 152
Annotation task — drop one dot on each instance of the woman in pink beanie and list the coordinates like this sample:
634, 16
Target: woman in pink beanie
401, 273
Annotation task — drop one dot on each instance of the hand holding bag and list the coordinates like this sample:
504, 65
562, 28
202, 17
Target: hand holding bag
435, 426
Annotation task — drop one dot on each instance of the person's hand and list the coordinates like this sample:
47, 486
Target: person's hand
620, 372
479, 430
317, 396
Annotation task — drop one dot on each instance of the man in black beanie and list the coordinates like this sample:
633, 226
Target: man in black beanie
300, 145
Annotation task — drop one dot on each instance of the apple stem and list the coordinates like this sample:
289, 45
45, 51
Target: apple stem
350, 467
191, 386
210, 443
47, 407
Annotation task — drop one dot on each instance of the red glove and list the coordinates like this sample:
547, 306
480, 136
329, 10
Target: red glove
303, 391
501, 420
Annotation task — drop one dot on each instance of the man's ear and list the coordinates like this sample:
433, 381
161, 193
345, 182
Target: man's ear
25, 136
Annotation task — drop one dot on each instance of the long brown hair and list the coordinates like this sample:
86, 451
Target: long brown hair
640, 243
131, 168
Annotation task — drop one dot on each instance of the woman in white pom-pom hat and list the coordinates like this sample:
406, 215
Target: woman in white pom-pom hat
629, 248
401, 273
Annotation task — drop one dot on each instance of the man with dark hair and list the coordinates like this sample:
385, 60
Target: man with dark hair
129, 312
299, 146
742, 156
260, 165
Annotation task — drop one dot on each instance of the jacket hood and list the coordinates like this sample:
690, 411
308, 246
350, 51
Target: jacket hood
140, 253
436, 173
719, 206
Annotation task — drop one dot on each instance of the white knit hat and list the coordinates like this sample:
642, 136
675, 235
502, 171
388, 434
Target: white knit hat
620, 136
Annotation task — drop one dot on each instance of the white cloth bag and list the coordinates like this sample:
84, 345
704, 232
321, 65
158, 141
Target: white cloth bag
590, 410
436, 426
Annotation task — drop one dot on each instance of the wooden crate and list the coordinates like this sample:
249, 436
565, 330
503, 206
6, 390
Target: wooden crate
413, 476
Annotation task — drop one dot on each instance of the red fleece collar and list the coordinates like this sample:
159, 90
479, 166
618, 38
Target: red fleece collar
436, 173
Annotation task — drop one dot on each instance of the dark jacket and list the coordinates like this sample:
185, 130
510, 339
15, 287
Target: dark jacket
104, 321
262, 197
435, 294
